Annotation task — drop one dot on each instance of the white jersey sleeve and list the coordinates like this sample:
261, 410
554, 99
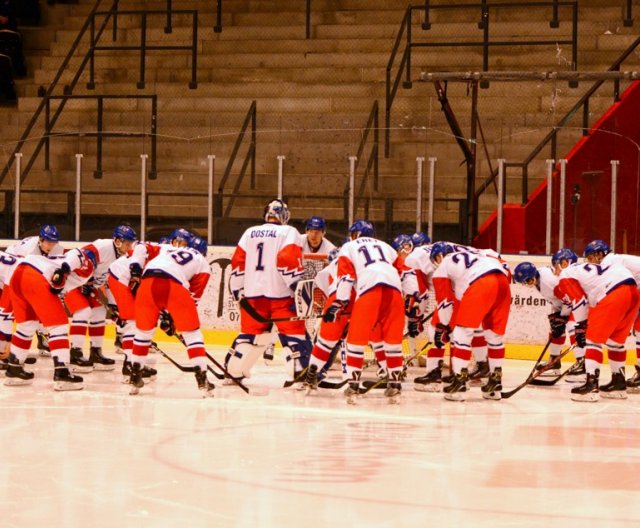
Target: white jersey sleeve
326, 279
548, 289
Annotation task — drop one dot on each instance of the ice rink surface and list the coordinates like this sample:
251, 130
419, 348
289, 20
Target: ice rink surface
169, 458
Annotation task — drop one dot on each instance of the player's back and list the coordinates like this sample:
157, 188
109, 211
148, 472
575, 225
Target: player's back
373, 263
631, 262
182, 264
271, 250
597, 280
464, 268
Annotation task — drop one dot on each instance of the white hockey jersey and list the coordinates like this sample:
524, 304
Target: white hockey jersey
588, 284
631, 262
548, 288
327, 279
7, 264
364, 263
31, 246
80, 266
184, 265
105, 251
267, 261
142, 253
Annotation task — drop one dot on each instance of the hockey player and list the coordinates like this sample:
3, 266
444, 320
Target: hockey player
403, 245
7, 264
265, 268
314, 241
599, 253
605, 302
546, 282
34, 285
173, 282
45, 244
367, 265
420, 239
86, 310
481, 286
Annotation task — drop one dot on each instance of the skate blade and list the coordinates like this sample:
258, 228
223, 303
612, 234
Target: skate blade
394, 400
207, 393
351, 400
119, 351
44, 353
494, 395
428, 387
103, 368
13, 382
134, 390
552, 373
455, 396
590, 397
311, 390
614, 395
80, 370
633, 390
67, 386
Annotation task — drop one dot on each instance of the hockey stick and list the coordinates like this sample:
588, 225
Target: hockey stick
175, 363
553, 381
535, 373
301, 375
510, 393
244, 303
236, 381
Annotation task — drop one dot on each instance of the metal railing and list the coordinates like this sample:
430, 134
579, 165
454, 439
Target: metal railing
143, 47
405, 35
371, 165
581, 108
100, 134
249, 161
45, 94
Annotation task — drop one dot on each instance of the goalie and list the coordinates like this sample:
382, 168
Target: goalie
265, 269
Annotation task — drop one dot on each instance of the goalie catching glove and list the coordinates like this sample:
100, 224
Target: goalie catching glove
558, 324
441, 335
332, 314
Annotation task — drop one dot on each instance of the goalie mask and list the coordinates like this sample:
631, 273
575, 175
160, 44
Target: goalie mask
277, 209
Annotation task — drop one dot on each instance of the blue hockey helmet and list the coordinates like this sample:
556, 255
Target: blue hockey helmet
524, 272
316, 222
401, 241
597, 246
199, 244
420, 239
181, 234
564, 254
49, 232
277, 209
440, 249
125, 232
362, 228
164, 240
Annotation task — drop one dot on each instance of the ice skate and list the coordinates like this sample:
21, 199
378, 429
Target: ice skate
43, 344
63, 380
148, 373
552, 366
492, 389
457, 390
204, 384
616, 388
577, 373
135, 379
99, 361
589, 391
394, 388
268, 355
15, 374
311, 379
431, 381
117, 343
78, 363
633, 383
480, 371
351, 392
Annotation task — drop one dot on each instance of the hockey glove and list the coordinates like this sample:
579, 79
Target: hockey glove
136, 271
166, 323
558, 324
87, 288
59, 277
441, 335
581, 334
415, 327
333, 312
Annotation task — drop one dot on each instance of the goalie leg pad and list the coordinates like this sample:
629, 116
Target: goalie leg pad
300, 348
244, 357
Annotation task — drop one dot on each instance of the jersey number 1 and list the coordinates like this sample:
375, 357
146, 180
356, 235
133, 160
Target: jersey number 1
367, 257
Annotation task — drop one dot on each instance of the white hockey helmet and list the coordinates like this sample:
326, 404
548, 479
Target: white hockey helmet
277, 209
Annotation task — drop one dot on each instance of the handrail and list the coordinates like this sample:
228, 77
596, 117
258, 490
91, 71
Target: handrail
372, 127
52, 86
552, 136
486, 43
250, 157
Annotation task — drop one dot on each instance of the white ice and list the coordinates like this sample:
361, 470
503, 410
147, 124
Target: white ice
167, 457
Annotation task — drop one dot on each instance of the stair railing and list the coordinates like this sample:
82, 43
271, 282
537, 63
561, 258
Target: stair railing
248, 162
